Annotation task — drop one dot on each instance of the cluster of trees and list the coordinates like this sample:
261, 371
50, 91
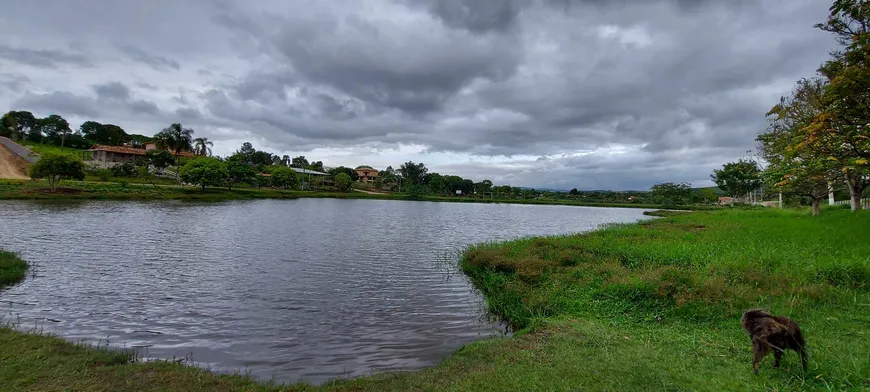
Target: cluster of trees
262, 159
55, 130
817, 140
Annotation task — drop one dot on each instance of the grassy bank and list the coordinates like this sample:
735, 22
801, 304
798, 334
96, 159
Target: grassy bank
651, 306
92, 190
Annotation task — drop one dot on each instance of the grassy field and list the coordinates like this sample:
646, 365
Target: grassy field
650, 306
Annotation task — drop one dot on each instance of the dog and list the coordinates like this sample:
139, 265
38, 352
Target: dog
772, 333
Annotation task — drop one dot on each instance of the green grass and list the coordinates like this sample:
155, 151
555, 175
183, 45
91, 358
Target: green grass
12, 268
48, 148
652, 306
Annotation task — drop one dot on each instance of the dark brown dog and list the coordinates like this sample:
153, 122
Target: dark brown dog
772, 333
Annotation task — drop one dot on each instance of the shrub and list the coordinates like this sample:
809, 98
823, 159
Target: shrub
56, 167
204, 172
284, 177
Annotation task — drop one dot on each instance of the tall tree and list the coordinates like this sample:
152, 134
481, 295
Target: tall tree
8, 126
798, 171
176, 139
202, 146
738, 178
24, 121
414, 173
299, 162
840, 133
55, 127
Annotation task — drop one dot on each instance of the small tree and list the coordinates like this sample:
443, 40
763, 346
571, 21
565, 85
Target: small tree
238, 172
204, 172
343, 182
671, 193
738, 178
573, 192
56, 167
284, 177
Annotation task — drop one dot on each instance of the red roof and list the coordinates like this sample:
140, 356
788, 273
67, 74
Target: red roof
130, 150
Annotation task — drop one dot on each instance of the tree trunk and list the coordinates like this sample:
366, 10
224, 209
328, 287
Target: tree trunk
62, 141
856, 189
816, 206
856, 200
203, 187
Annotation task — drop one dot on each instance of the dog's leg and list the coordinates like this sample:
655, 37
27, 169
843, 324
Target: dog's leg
777, 356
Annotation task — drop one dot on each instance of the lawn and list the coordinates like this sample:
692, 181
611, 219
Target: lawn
653, 306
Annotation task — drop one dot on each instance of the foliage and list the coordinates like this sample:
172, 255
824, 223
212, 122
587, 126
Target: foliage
414, 174
343, 182
284, 177
143, 173
160, 159
23, 122
238, 172
125, 169
104, 174
57, 167
202, 146
139, 141
573, 192
204, 172
175, 138
707, 195
341, 169
9, 126
791, 170
108, 134
671, 193
12, 269
299, 162
738, 178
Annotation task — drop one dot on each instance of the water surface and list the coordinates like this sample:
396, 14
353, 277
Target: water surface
308, 289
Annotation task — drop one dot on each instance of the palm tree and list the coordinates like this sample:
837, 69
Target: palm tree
175, 138
201, 146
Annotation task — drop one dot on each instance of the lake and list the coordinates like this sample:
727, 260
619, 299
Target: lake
309, 289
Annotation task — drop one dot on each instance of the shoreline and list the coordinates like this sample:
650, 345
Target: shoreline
652, 305
74, 190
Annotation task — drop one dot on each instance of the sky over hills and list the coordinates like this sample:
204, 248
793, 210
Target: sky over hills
593, 94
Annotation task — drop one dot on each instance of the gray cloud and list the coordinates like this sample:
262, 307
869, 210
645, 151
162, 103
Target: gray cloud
157, 62
43, 58
112, 90
586, 93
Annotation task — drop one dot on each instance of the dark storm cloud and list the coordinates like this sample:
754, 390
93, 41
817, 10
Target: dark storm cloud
594, 93
43, 58
157, 62
112, 90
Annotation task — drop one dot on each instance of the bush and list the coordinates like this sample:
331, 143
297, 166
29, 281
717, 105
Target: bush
127, 169
284, 177
204, 172
343, 182
56, 167
104, 174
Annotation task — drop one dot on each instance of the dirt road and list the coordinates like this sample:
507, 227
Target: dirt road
12, 166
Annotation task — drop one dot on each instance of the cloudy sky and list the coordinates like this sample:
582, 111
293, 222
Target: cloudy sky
593, 94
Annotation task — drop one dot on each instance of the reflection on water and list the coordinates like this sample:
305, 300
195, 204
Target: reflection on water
308, 289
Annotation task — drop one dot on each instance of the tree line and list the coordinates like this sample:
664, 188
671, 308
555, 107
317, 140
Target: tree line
817, 141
